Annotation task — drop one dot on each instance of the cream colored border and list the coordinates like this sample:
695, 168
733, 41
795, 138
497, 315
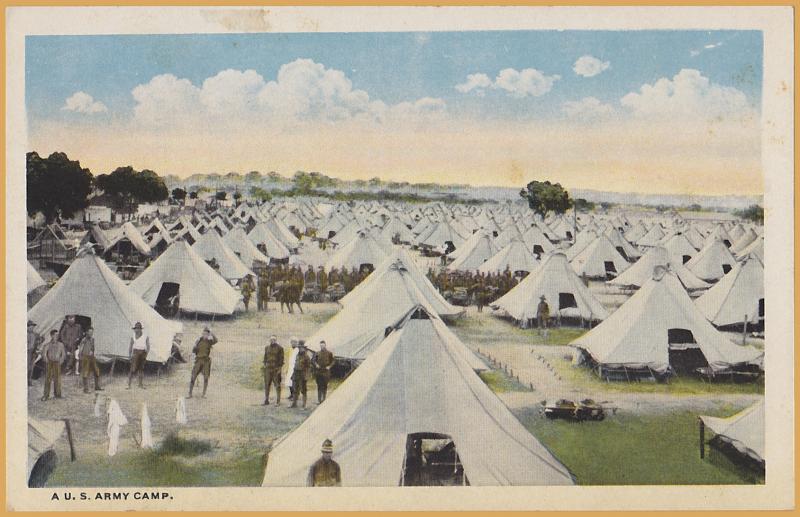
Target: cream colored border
775, 22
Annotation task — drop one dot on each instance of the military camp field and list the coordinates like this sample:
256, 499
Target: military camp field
651, 438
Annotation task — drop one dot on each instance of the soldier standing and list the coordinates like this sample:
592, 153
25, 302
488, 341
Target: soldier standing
324, 362
263, 292
273, 362
138, 349
322, 280
88, 362
70, 334
302, 367
202, 359
247, 291
34, 340
325, 471
54, 354
542, 314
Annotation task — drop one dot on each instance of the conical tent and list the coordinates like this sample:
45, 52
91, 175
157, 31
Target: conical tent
640, 272
599, 260
755, 249
534, 238
746, 239
90, 289
273, 246
370, 416
738, 296
636, 232
211, 247
200, 288
35, 280
398, 268
515, 257
653, 237
680, 248
360, 326
744, 430
712, 262
620, 244
441, 234
42, 437
565, 293
659, 318
476, 250
131, 233
244, 248
396, 229
363, 249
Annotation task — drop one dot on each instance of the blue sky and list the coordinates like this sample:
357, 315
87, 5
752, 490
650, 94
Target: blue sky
650, 111
393, 67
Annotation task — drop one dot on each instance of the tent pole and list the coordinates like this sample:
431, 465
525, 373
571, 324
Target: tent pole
744, 331
70, 440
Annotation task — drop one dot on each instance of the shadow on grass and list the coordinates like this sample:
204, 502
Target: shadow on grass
174, 445
499, 382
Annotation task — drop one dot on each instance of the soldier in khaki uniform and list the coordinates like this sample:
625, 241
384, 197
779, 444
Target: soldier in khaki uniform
247, 291
88, 362
137, 352
325, 471
54, 354
273, 362
302, 370
542, 314
202, 359
263, 292
323, 362
34, 340
70, 334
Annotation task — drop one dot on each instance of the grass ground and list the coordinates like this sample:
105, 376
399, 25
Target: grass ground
486, 328
629, 449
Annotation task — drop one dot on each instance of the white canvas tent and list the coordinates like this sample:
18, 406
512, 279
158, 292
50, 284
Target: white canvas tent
739, 296
656, 320
475, 251
600, 259
200, 288
370, 416
243, 247
640, 272
744, 430
712, 262
273, 246
210, 247
35, 280
42, 438
363, 249
90, 289
565, 293
515, 256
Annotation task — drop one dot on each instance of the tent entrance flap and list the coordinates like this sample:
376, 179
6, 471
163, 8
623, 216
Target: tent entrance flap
432, 460
611, 269
168, 299
566, 301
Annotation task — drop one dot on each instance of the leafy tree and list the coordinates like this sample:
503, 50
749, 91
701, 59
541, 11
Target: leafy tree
544, 197
260, 193
193, 194
753, 213
178, 194
128, 186
583, 205
375, 182
56, 185
221, 195
606, 206
253, 177
694, 207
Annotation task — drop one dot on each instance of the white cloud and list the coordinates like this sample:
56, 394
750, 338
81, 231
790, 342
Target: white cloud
82, 102
524, 83
590, 66
696, 52
302, 91
517, 83
587, 108
477, 82
688, 94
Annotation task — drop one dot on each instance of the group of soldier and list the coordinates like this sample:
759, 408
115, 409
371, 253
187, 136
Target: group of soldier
481, 288
317, 365
288, 284
71, 347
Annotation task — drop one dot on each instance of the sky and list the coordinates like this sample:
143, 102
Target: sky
648, 111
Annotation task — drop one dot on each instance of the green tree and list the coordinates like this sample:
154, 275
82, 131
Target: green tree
221, 195
56, 185
544, 197
178, 194
582, 205
753, 213
260, 193
128, 186
193, 194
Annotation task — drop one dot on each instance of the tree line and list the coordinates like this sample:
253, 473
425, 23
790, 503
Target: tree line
60, 187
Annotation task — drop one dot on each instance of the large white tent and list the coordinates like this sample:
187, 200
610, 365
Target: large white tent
660, 318
274, 247
744, 430
90, 289
474, 252
600, 259
515, 256
739, 296
362, 249
35, 280
712, 262
416, 381
243, 247
42, 438
640, 272
211, 247
200, 288
566, 294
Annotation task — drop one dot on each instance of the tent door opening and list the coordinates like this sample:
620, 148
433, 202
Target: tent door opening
432, 460
622, 252
726, 268
685, 355
538, 250
611, 270
727, 243
566, 301
686, 258
168, 299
